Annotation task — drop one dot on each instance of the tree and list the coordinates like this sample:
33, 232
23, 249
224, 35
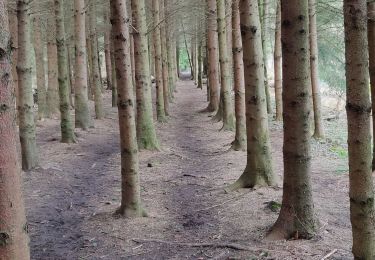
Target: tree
239, 80
13, 227
318, 124
258, 170
371, 43
26, 102
213, 70
160, 109
96, 81
277, 65
225, 69
358, 107
296, 218
164, 54
130, 198
146, 133
67, 133
82, 112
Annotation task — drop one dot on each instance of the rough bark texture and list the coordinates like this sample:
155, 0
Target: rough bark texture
96, 81
258, 170
67, 133
114, 81
13, 227
239, 143
107, 50
26, 102
164, 55
296, 218
277, 65
52, 91
146, 133
40, 70
213, 54
358, 107
371, 43
82, 113
160, 111
318, 120
225, 69
130, 199
13, 27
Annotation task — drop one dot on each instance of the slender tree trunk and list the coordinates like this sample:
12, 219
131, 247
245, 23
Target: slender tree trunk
14, 241
95, 72
371, 43
40, 71
130, 199
199, 65
114, 81
178, 59
239, 143
164, 58
318, 120
258, 170
265, 13
225, 69
146, 133
52, 91
277, 65
296, 218
358, 107
26, 102
158, 64
67, 133
213, 54
107, 51
82, 112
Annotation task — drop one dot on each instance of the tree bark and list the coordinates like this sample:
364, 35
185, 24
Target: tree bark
146, 133
358, 107
96, 81
371, 43
164, 52
296, 218
317, 104
258, 170
13, 227
52, 91
160, 110
26, 101
213, 54
239, 143
40, 70
130, 198
277, 65
225, 69
13, 27
82, 112
107, 50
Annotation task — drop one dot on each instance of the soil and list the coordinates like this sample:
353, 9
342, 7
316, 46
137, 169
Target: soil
71, 197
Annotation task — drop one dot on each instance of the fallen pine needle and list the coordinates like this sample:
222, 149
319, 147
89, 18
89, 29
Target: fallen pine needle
329, 254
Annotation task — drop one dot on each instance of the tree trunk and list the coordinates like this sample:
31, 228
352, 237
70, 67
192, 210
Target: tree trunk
358, 107
107, 51
146, 133
213, 54
164, 58
26, 102
82, 112
67, 133
114, 81
96, 84
40, 71
225, 69
258, 170
296, 218
199, 65
52, 91
371, 43
318, 121
277, 65
265, 14
158, 64
239, 143
13, 27
130, 199
13, 227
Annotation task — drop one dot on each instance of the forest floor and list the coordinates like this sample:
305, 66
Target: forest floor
71, 197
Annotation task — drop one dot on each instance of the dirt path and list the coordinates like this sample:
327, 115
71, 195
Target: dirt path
71, 198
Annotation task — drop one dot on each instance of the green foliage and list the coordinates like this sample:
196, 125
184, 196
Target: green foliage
184, 60
339, 151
